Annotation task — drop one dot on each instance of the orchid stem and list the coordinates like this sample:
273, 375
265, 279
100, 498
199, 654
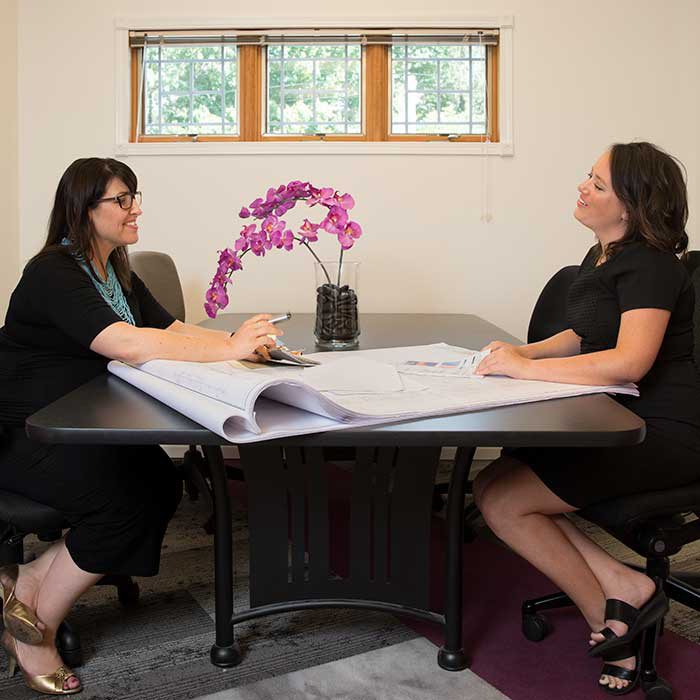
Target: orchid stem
318, 260
340, 264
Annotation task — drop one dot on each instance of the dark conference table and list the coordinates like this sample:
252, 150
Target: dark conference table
290, 485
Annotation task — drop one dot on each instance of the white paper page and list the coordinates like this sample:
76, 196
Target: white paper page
272, 419
452, 367
228, 382
356, 375
210, 413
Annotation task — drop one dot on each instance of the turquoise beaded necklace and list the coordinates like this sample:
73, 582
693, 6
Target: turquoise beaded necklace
110, 289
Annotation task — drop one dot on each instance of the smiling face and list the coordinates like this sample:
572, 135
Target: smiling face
113, 225
598, 207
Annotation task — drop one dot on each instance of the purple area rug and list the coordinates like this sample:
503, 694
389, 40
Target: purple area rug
496, 583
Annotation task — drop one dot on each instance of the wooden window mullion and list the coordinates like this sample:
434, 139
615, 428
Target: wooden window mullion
492, 93
377, 98
250, 93
137, 65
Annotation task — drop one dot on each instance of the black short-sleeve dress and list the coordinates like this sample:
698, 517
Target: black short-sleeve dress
637, 277
117, 500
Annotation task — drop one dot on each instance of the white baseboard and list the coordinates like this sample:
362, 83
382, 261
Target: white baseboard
231, 452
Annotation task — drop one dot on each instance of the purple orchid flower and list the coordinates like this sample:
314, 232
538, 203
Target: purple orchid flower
308, 231
335, 220
323, 196
244, 213
345, 201
216, 294
285, 240
227, 261
271, 224
349, 235
259, 244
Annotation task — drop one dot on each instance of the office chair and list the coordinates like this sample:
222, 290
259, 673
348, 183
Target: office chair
655, 525
159, 274
548, 318
19, 516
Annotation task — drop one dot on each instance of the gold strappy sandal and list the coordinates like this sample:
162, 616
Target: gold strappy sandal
20, 620
50, 684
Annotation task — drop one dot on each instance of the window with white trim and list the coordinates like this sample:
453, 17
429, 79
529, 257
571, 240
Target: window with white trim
301, 84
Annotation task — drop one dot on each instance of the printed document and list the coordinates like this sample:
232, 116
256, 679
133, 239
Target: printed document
345, 390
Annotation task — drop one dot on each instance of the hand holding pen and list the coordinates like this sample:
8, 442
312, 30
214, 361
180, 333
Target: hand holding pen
255, 335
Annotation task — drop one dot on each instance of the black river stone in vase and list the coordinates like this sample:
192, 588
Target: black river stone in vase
336, 313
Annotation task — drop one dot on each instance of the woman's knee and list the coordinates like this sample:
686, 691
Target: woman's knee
496, 503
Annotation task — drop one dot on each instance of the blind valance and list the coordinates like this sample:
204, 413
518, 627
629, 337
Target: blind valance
266, 37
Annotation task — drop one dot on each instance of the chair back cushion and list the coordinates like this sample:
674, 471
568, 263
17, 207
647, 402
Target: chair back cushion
549, 315
159, 274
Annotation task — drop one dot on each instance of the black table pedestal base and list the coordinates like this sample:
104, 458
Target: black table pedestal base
226, 657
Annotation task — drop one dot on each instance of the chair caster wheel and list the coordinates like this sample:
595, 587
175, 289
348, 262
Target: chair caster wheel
657, 690
535, 627
73, 658
128, 593
68, 645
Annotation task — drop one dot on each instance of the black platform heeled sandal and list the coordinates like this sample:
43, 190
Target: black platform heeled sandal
623, 651
637, 620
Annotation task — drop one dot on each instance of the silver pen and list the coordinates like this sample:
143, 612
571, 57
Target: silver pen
276, 319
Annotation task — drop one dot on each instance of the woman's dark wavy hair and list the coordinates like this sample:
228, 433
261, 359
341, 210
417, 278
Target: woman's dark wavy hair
85, 181
651, 185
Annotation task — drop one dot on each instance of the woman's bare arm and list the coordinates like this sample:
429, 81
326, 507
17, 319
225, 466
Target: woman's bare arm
564, 344
639, 339
122, 341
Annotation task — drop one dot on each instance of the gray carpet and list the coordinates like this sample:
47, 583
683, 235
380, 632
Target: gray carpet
405, 671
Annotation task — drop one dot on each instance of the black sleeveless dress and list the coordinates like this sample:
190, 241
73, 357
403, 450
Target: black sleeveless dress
637, 277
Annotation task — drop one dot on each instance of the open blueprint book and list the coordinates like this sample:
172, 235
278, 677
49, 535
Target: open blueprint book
249, 403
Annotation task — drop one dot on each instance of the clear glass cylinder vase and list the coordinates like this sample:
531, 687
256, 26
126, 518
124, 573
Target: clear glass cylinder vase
337, 321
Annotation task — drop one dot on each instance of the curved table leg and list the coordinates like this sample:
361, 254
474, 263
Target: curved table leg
225, 652
451, 656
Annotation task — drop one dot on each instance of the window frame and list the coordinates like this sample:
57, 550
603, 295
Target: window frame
376, 100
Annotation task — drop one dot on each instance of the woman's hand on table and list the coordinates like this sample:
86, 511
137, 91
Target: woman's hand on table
504, 359
255, 335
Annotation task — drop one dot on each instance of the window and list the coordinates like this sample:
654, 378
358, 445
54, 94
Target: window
190, 90
314, 89
438, 88
343, 85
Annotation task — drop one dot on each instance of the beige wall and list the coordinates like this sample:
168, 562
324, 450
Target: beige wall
585, 75
9, 243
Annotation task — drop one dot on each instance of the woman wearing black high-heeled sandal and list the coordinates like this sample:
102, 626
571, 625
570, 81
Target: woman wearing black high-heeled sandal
631, 320
78, 305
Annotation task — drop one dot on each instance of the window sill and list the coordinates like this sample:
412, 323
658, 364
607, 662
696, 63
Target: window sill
272, 148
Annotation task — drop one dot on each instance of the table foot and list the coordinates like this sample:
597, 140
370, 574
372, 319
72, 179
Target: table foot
452, 660
226, 657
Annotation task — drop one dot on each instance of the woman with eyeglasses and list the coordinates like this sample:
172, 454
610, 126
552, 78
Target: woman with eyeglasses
77, 306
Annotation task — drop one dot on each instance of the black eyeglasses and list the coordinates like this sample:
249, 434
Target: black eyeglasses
125, 201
